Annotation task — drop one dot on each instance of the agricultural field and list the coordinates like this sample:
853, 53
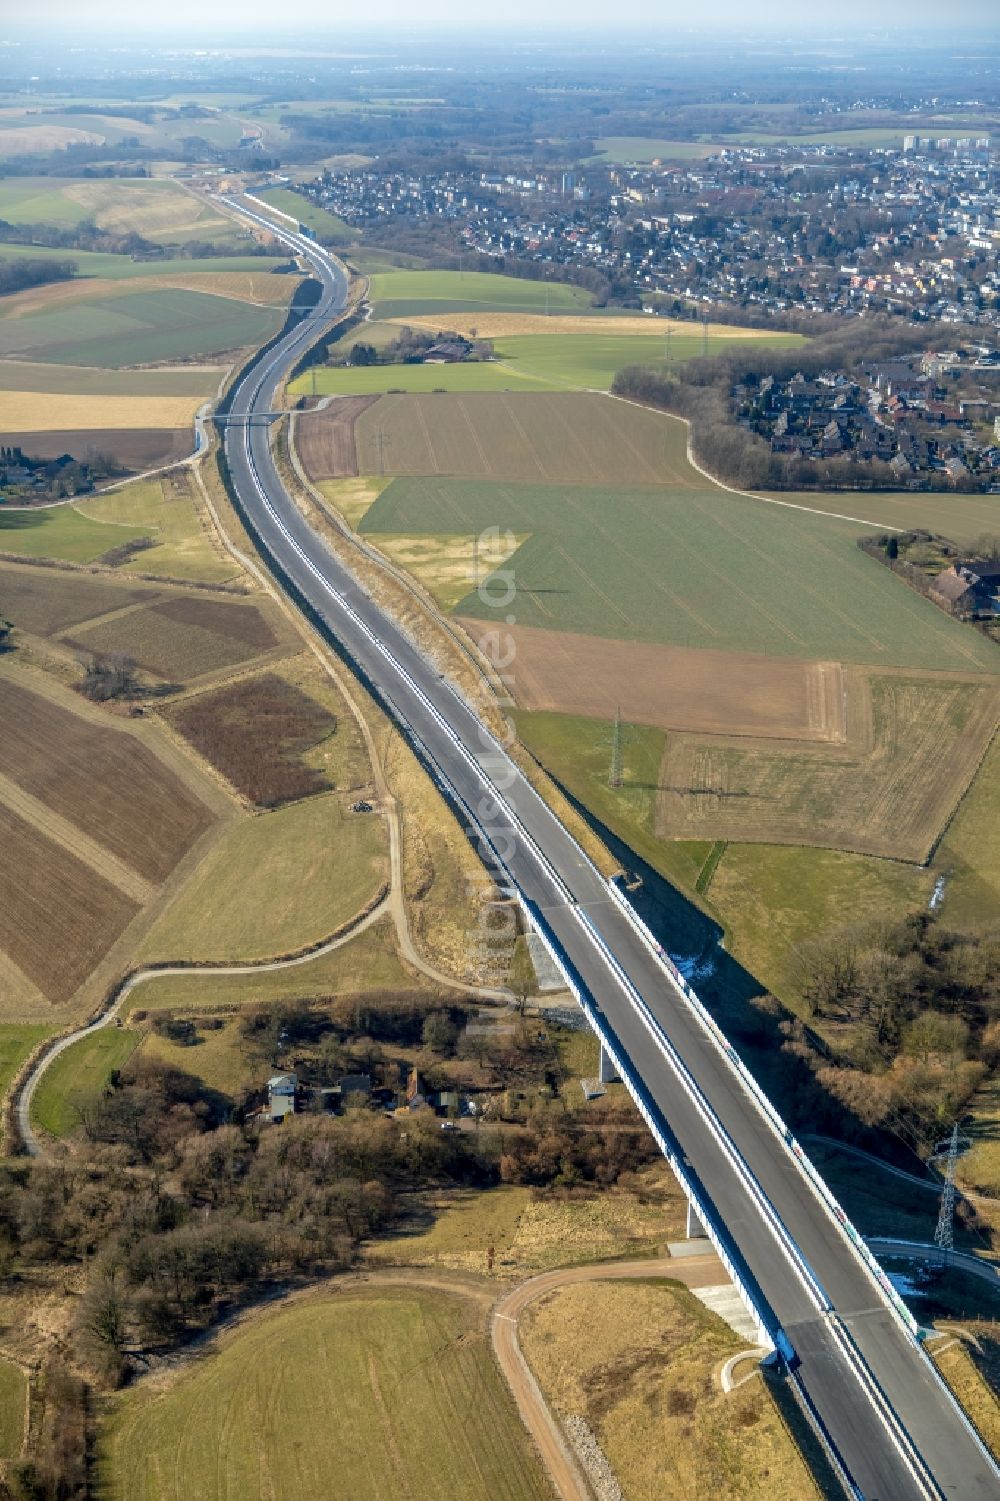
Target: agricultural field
299, 1392
135, 327
60, 532
676, 688
592, 361
275, 884
969, 855
106, 266
448, 566
185, 636
636, 1361
257, 733
75, 1080
398, 294
325, 440
46, 890
169, 509
20, 376
45, 601
531, 352
22, 412
504, 324
641, 150
558, 438
911, 751
962, 518
156, 208
78, 764
688, 566
376, 380
328, 227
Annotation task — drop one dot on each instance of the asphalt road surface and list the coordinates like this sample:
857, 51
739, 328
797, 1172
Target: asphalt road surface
889, 1420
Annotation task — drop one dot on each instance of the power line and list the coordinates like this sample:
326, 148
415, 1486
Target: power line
944, 1233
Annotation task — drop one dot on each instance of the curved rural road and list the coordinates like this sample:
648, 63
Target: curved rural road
394, 904
564, 1469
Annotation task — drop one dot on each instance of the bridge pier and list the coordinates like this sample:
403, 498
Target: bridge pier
695, 1230
608, 1069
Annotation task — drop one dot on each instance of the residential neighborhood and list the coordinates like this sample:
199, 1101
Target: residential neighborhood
931, 419
767, 230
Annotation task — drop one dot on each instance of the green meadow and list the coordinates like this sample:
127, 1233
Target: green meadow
61, 532
78, 1077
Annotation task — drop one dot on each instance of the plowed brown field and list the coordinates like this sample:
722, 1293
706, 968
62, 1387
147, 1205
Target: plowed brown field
325, 439
134, 448
675, 687
103, 780
57, 916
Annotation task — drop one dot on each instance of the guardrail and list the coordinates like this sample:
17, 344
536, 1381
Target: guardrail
897, 1432
765, 1107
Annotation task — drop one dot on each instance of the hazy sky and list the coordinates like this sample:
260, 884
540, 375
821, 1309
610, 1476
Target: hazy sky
328, 18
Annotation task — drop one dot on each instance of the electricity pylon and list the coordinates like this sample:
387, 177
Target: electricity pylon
618, 740
944, 1233
381, 444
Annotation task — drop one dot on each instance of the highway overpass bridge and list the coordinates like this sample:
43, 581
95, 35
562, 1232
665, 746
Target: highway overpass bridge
890, 1427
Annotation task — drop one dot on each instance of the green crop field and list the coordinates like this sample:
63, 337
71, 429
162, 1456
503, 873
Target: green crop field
300, 1392
156, 208
94, 263
565, 437
329, 227
78, 1078
691, 566
593, 360
402, 294
61, 532
535, 362
643, 150
962, 518
274, 884
137, 328
70, 380
864, 138
374, 380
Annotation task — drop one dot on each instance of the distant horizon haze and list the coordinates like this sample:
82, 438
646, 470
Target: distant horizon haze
257, 20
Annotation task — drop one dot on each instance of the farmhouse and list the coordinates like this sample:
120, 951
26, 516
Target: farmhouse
969, 588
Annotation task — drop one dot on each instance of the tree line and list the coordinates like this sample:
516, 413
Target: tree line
700, 391
18, 273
